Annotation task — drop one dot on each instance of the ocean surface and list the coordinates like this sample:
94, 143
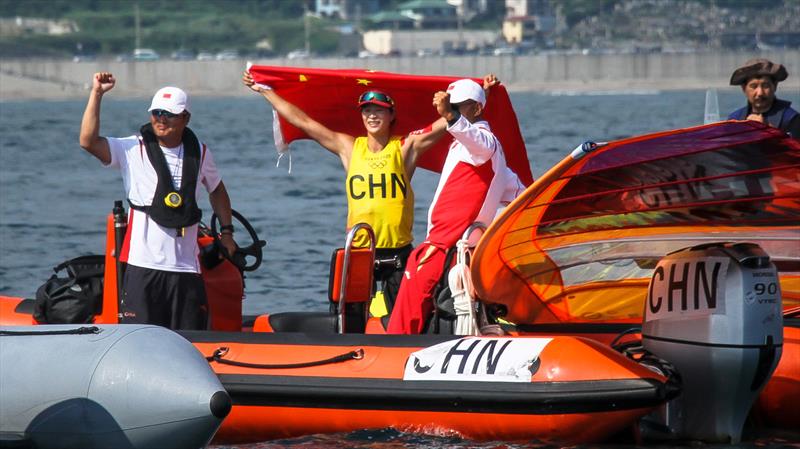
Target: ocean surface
54, 196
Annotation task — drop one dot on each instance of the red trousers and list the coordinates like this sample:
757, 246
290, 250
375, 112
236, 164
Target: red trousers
414, 303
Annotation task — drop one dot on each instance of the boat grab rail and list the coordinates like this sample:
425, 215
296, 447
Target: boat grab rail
472, 228
478, 317
348, 247
220, 352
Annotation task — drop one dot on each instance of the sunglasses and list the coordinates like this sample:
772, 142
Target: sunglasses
158, 113
381, 97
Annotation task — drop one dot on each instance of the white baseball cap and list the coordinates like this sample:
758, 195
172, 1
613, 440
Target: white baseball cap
466, 89
170, 99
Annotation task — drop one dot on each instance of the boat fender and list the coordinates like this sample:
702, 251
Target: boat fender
121, 386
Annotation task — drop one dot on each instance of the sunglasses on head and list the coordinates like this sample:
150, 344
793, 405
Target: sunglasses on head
377, 96
158, 113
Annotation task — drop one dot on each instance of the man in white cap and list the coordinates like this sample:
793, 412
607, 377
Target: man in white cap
472, 185
163, 168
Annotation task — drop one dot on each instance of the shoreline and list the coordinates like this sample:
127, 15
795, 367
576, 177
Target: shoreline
560, 74
15, 88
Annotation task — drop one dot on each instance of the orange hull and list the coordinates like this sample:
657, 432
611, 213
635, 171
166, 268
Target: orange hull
16, 312
368, 393
580, 390
245, 421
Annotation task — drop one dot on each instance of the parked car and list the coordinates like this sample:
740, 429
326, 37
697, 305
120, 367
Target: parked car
298, 54
84, 58
145, 54
501, 51
205, 56
182, 55
227, 55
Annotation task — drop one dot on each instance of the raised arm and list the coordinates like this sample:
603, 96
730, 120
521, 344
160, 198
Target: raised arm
337, 143
90, 138
418, 142
489, 81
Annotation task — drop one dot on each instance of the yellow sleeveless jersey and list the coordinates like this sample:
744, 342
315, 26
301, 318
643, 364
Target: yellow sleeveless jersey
379, 194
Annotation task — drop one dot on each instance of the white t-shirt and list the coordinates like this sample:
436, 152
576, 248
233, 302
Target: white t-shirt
153, 246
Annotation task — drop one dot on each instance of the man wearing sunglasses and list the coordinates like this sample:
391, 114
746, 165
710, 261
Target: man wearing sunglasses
379, 168
475, 181
164, 168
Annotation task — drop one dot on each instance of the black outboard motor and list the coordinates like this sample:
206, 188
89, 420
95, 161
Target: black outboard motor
714, 312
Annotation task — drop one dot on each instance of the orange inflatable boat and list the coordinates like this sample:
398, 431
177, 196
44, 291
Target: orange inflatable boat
583, 309
497, 388
295, 374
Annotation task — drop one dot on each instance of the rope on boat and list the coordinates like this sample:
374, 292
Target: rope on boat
621, 335
219, 353
636, 352
79, 331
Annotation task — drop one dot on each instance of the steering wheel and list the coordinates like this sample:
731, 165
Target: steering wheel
239, 257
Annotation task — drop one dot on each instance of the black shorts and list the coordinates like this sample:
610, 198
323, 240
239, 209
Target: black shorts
390, 277
165, 298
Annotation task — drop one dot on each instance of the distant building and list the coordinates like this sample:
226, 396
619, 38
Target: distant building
347, 9
425, 42
428, 14
391, 20
470, 8
25, 25
528, 20
431, 14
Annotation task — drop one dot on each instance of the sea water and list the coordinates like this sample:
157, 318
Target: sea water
54, 197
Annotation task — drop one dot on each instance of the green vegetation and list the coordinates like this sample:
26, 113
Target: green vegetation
107, 27
577, 10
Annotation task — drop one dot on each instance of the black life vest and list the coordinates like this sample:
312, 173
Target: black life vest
187, 213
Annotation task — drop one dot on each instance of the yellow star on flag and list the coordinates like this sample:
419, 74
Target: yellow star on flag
363, 81
303, 78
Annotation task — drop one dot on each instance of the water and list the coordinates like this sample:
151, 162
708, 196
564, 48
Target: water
54, 197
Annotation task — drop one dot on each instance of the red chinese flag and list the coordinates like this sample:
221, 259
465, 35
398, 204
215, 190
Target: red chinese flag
330, 96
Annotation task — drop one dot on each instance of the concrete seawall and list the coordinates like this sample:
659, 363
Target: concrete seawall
57, 79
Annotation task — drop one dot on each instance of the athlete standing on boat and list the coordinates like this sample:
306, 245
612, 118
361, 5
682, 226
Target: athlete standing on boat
163, 168
379, 168
475, 181
759, 79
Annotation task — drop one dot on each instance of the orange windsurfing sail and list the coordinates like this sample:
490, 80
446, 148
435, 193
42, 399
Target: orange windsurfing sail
329, 96
581, 243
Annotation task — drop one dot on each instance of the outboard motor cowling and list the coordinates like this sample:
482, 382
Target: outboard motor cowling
714, 312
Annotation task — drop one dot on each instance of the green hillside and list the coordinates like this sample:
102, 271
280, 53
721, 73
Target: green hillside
108, 27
